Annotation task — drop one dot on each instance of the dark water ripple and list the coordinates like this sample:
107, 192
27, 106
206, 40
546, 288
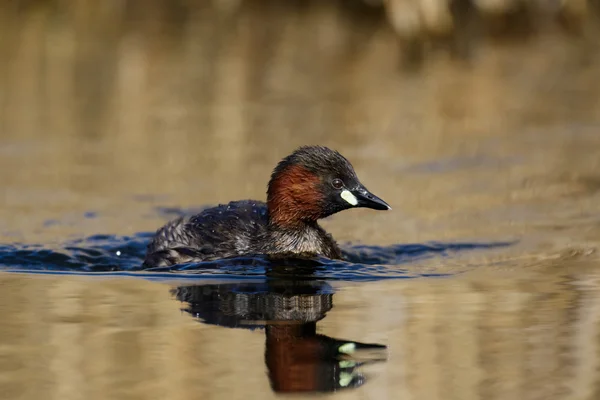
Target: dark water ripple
124, 255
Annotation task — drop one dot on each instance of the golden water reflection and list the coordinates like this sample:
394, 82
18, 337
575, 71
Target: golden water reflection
499, 335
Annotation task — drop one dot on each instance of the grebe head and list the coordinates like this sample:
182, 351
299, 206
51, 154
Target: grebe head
312, 183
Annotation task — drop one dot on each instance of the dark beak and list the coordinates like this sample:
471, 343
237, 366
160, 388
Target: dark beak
369, 200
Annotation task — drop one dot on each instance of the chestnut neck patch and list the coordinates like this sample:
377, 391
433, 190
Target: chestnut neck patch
294, 197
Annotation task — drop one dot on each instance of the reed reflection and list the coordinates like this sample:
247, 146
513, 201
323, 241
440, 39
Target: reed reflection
298, 359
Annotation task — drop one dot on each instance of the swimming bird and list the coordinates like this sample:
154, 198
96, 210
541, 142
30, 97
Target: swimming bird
312, 183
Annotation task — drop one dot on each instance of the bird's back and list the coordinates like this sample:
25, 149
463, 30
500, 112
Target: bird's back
227, 230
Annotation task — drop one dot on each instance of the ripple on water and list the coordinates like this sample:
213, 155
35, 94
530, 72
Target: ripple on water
111, 254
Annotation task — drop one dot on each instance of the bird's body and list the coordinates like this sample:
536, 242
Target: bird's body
234, 229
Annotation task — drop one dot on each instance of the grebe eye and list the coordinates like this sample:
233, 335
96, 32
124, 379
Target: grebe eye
337, 183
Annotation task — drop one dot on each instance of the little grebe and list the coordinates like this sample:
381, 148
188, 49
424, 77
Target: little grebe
311, 183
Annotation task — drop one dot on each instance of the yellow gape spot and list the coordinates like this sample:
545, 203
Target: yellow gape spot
347, 348
349, 197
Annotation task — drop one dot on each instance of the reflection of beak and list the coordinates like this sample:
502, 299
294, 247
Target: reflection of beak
367, 199
350, 380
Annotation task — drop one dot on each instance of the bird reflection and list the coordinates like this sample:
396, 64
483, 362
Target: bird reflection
297, 358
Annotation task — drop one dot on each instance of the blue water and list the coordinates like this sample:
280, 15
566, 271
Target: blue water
123, 255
